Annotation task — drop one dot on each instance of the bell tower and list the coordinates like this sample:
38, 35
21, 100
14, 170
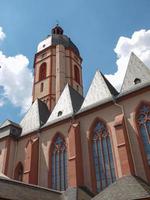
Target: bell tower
56, 63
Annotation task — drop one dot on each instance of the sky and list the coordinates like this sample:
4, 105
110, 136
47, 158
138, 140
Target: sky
105, 31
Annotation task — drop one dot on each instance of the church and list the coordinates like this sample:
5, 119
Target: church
71, 147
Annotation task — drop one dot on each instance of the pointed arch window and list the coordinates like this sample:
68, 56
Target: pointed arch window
76, 74
42, 71
143, 121
18, 175
59, 164
102, 156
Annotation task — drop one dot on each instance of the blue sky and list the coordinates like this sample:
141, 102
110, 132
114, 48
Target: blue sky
94, 26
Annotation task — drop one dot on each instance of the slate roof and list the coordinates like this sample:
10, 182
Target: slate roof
68, 104
8, 123
8, 128
125, 188
100, 90
15, 190
74, 193
54, 40
136, 70
36, 116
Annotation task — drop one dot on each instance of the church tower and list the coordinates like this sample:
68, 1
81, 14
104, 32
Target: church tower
57, 62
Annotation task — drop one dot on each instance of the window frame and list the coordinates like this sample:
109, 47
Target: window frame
77, 74
42, 71
91, 159
65, 164
17, 174
139, 138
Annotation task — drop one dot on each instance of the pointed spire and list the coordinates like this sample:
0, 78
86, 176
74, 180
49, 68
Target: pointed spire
68, 103
99, 90
137, 73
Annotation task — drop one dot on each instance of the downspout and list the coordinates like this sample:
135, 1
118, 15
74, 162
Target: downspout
126, 127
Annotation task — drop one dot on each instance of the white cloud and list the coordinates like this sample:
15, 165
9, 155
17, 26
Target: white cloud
2, 102
16, 80
139, 43
2, 34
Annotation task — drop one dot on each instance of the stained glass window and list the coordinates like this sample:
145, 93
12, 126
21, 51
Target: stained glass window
143, 120
102, 157
59, 164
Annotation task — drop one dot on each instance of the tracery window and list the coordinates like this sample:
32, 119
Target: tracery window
42, 71
143, 120
102, 157
59, 164
18, 175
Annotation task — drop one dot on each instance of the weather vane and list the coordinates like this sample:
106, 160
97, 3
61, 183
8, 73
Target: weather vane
57, 22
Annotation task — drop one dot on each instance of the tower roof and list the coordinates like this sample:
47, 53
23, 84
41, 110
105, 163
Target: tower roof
137, 74
68, 104
100, 90
56, 38
36, 116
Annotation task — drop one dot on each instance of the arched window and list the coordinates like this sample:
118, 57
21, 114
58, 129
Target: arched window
59, 164
102, 156
42, 71
18, 175
76, 74
143, 121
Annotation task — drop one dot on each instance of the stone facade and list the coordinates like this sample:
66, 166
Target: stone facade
30, 144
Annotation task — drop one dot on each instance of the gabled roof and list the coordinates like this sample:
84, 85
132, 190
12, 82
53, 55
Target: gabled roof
137, 74
9, 128
125, 188
8, 123
100, 90
36, 116
68, 104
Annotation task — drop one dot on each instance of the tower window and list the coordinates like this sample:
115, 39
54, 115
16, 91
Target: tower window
42, 71
137, 80
41, 87
76, 74
102, 156
59, 164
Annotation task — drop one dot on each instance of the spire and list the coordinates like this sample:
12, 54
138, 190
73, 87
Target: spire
137, 74
100, 89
